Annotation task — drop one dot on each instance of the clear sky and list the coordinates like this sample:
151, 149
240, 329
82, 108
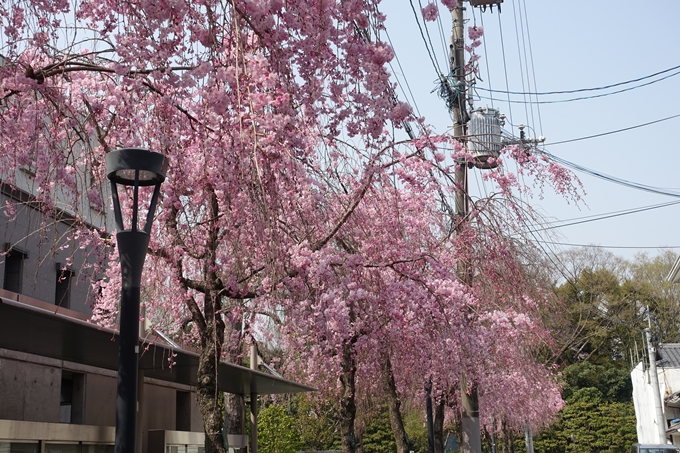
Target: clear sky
551, 45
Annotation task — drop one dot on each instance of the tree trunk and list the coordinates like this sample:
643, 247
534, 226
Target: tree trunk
234, 405
508, 441
439, 426
348, 408
359, 437
394, 407
207, 395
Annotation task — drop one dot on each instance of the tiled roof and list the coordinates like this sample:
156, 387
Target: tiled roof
670, 354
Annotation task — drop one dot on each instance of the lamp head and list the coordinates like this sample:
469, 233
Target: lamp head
122, 164
135, 168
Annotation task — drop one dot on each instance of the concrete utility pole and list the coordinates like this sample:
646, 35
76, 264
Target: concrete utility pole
654, 380
471, 441
529, 439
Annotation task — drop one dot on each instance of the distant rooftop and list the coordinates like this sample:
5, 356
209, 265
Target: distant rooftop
669, 354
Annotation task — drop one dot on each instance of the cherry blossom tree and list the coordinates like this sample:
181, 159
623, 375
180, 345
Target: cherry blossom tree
384, 308
287, 194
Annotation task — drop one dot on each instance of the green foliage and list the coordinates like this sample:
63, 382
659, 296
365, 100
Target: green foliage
603, 317
316, 424
613, 383
378, 437
275, 431
597, 425
605, 305
665, 306
416, 429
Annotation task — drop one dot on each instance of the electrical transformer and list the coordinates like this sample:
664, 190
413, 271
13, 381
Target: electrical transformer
484, 137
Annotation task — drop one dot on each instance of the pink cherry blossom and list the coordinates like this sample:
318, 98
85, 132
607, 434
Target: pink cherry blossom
430, 12
290, 209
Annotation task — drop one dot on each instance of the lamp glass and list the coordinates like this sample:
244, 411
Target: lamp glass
128, 174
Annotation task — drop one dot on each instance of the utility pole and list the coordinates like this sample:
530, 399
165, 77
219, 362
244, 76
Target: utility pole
654, 380
471, 441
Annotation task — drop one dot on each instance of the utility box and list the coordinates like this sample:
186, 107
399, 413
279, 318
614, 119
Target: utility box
484, 137
485, 2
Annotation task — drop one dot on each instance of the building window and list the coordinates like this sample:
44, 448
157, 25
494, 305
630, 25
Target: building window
72, 399
183, 411
14, 268
62, 297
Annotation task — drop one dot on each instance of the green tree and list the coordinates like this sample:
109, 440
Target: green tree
605, 305
589, 424
416, 428
275, 431
316, 423
651, 273
602, 317
378, 437
612, 382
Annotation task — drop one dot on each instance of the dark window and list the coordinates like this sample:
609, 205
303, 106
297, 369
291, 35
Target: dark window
62, 296
72, 398
14, 270
183, 411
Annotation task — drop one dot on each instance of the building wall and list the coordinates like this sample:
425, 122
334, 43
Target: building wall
30, 390
643, 399
43, 245
100, 399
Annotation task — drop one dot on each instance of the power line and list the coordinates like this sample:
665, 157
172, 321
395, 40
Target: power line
533, 68
581, 90
408, 86
623, 182
588, 219
613, 132
567, 244
432, 59
618, 213
593, 96
427, 31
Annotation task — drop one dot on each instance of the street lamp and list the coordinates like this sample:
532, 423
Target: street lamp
134, 168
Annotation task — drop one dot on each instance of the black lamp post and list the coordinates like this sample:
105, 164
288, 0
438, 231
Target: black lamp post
131, 167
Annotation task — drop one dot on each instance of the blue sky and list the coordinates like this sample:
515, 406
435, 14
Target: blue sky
552, 45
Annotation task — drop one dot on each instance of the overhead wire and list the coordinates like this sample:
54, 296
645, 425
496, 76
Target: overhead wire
403, 74
533, 67
521, 69
427, 32
568, 244
595, 218
505, 67
486, 58
612, 132
442, 35
582, 98
623, 182
529, 63
571, 165
432, 59
581, 90
616, 213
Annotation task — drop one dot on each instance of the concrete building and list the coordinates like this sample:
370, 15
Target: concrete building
58, 371
668, 373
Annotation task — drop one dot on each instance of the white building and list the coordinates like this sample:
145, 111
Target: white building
668, 372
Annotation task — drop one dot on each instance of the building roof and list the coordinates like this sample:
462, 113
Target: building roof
674, 275
669, 354
50, 333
